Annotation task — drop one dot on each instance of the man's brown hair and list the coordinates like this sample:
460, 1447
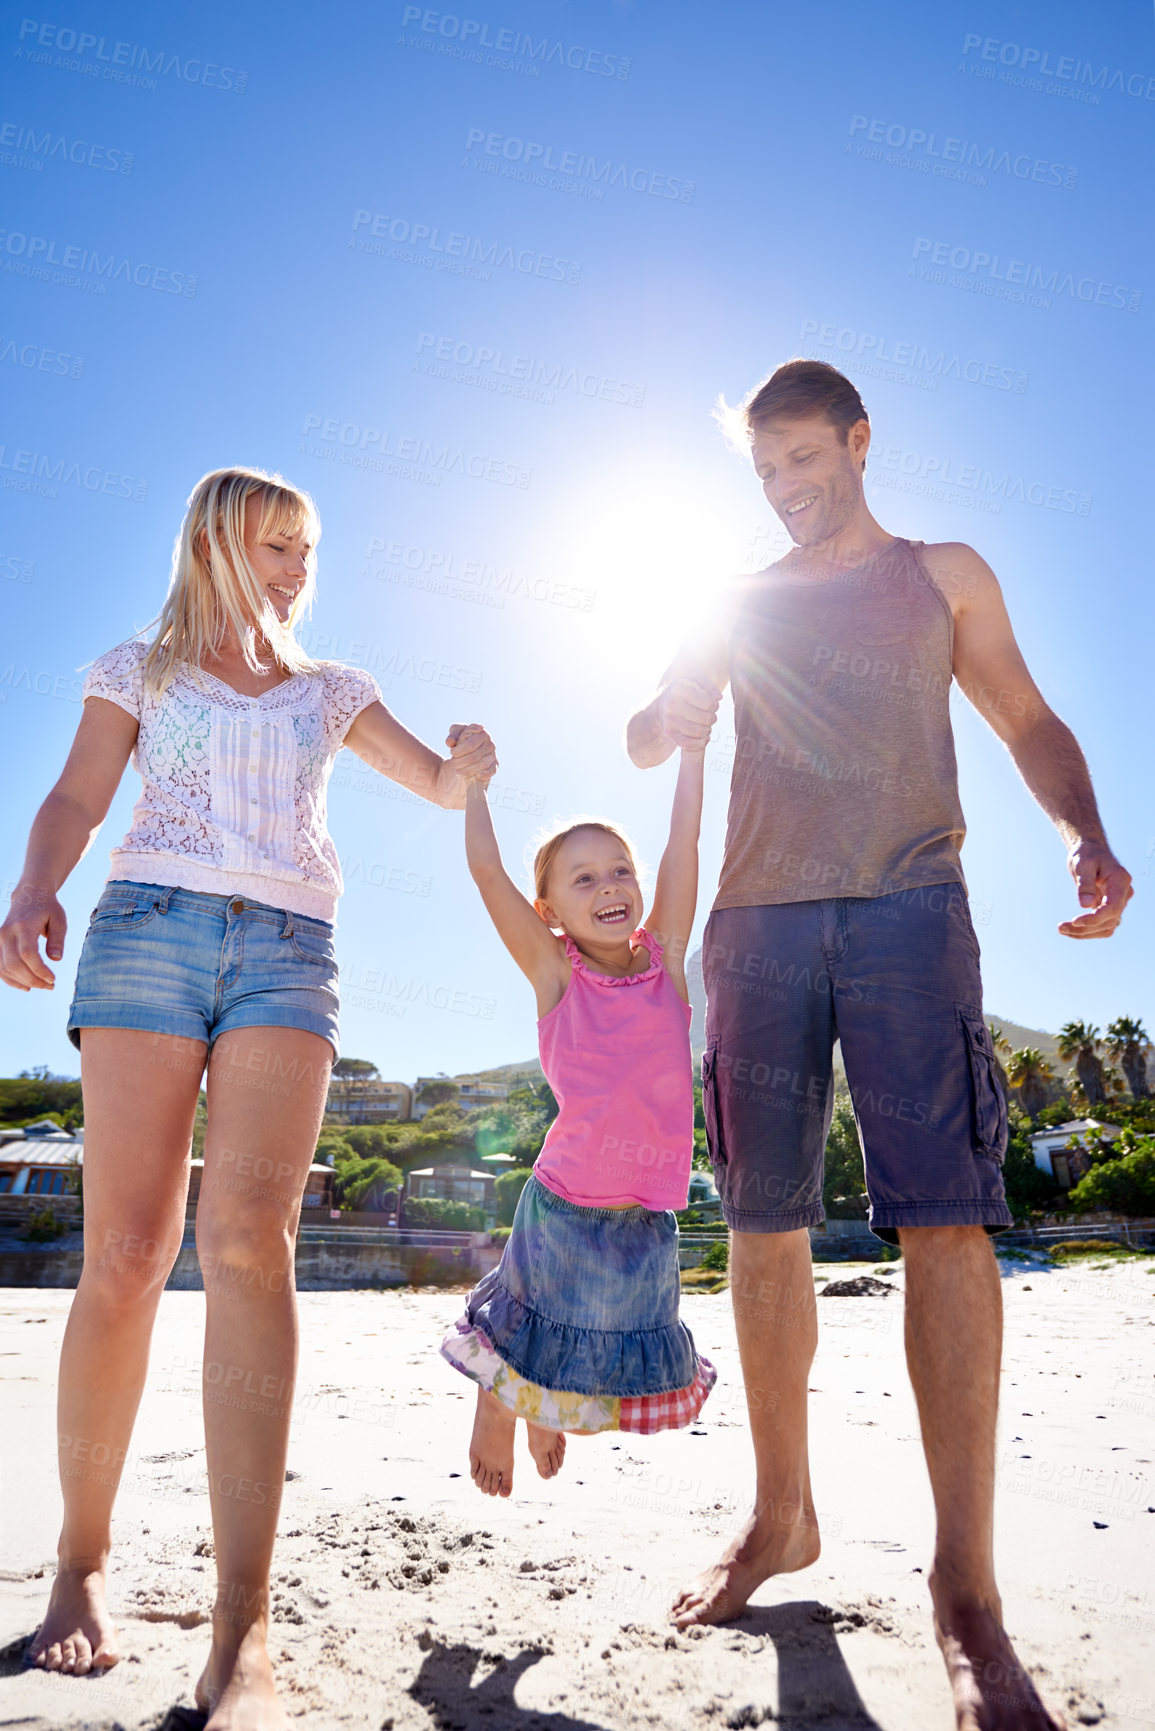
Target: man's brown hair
794, 390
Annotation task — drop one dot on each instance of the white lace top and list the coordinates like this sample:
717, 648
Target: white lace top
233, 801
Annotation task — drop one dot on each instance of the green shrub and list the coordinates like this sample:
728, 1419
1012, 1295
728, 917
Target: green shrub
1085, 1247
364, 1184
445, 1216
43, 1226
1126, 1186
509, 1187
499, 1235
718, 1256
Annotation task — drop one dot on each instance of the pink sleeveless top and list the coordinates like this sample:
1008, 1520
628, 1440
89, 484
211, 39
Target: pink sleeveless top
616, 1052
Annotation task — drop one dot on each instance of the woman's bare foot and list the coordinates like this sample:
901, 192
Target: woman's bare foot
992, 1691
236, 1687
547, 1448
769, 1544
491, 1446
77, 1635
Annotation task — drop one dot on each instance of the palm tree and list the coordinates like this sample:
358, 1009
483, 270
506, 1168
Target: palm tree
1081, 1041
1126, 1038
1001, 1044
1031, 1074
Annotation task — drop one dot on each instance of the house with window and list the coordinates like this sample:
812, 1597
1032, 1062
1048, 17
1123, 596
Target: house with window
453, 1181
39, 1160
1061, 1152
470, 1092
369, 1100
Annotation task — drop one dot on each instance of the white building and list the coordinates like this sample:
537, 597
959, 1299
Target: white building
1054, 1156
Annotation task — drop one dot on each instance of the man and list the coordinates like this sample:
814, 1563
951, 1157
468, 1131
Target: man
842, 913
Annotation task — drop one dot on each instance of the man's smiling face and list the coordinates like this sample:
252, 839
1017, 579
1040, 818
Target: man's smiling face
811, 473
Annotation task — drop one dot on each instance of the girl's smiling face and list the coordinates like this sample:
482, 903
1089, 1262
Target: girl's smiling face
280, 562
593, 892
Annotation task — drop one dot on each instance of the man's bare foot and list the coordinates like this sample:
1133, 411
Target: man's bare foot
768, 1544
992, 1691
77, 1635
236, 1687
491, 1446
547, 1448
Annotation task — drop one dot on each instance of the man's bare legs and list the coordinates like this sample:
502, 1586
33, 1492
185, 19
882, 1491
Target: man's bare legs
491, 1447
140, 1094
266, 1097
953, 1350
772, 1286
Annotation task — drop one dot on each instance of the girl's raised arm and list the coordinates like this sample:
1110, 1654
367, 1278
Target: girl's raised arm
676, 892
520, 927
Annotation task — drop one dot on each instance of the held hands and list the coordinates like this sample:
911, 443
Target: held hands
1104, 890
687, 711
34, 914
472, 757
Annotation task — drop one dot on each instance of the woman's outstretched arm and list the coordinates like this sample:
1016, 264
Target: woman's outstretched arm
62, 833
381, 741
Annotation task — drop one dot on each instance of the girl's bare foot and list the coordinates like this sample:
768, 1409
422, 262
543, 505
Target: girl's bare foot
765, 1546
77, 1635
491, 1446
547, 1448
236, 1687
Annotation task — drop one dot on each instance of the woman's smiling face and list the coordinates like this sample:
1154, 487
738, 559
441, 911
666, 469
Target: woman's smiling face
280, 561
593, 890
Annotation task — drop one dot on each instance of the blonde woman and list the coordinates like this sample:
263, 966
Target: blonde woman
212, 945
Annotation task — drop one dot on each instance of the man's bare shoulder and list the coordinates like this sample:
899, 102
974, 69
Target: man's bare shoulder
963, 575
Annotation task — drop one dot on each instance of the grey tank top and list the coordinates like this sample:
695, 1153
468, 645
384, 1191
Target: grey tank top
844, 782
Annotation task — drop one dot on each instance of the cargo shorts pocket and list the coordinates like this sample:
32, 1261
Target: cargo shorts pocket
988, 1106
712, 1113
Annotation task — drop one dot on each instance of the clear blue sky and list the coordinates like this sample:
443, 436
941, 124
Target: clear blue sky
504, 259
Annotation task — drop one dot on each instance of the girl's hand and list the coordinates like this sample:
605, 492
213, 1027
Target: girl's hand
472, 757
34, 914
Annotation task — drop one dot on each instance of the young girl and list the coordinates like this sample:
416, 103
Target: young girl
211, 946
577, 1327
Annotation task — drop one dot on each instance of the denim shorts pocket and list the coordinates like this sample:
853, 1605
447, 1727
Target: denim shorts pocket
121, 910
313, 943
711, 1110
988, 1106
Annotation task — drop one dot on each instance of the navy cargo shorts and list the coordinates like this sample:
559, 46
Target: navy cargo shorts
895, 979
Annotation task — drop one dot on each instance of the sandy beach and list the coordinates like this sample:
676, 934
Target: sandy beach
404, 1599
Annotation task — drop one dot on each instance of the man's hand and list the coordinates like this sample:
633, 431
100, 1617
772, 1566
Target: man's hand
1104, 890
34, 914
472, 757
687, 710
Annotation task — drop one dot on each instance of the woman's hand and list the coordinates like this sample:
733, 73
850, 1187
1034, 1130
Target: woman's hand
34, 914
472, 757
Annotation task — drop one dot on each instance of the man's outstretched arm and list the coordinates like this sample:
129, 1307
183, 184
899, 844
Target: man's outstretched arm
990, 670
686, 707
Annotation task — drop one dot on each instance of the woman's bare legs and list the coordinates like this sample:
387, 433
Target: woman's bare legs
266, 1097
140, 1094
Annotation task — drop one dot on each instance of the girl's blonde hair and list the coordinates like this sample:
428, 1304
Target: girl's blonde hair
546, 855
214, 587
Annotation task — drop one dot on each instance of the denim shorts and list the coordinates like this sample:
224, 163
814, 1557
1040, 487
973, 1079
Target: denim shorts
896, 980
173, 961
586, 1299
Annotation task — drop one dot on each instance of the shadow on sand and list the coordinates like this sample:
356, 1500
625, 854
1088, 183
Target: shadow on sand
814, 1688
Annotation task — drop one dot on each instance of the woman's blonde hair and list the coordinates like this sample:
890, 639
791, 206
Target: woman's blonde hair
214, 587
548, 850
